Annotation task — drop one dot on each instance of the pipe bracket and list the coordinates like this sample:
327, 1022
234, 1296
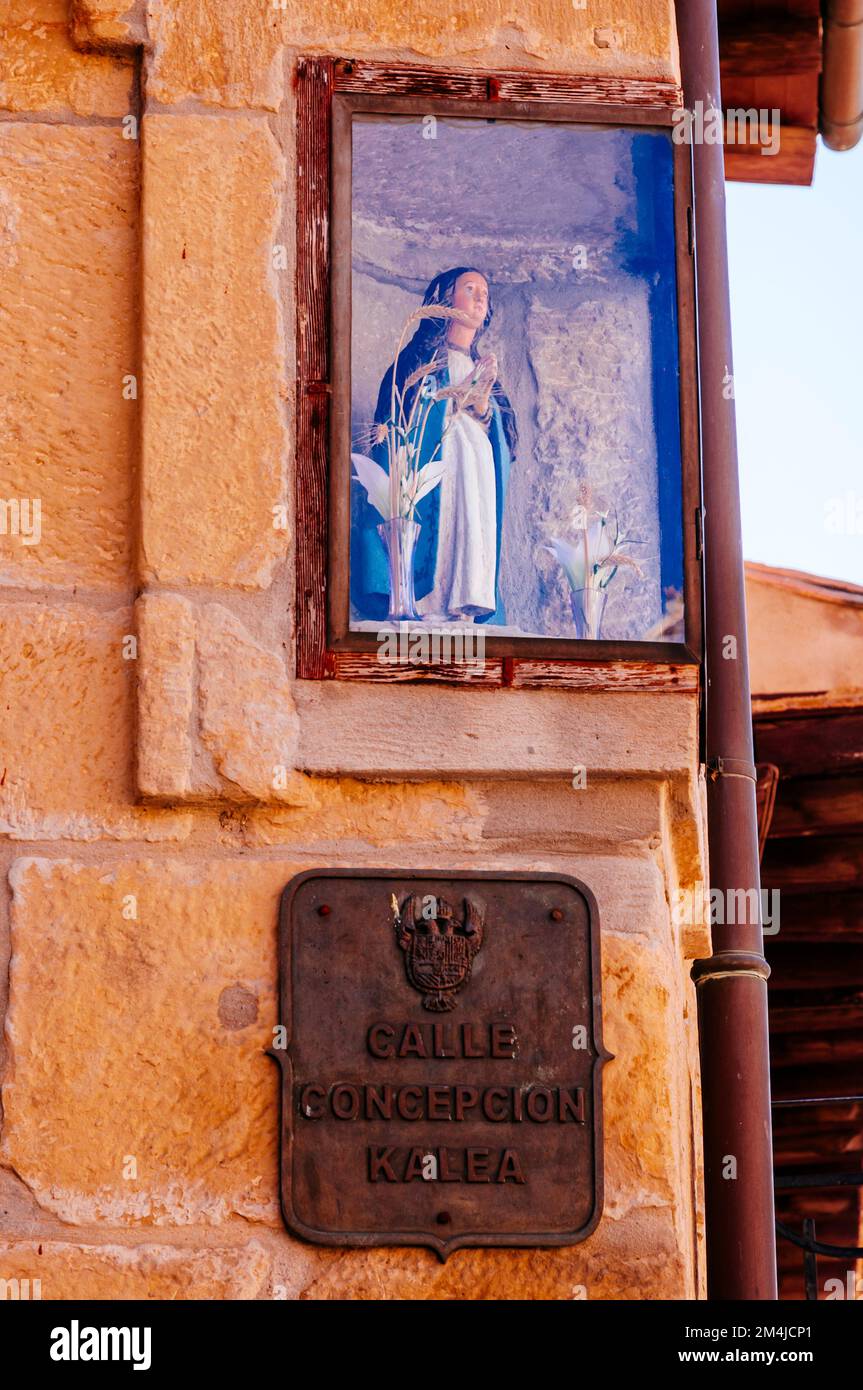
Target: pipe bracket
731, 767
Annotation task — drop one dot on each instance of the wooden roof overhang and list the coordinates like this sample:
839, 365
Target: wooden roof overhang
802, 58
770, 59
810, 755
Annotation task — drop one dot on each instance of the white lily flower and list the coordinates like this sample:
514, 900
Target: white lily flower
428, 477
571, 559
376, 482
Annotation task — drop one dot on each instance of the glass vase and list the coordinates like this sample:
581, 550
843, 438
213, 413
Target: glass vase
399, 536
588, 611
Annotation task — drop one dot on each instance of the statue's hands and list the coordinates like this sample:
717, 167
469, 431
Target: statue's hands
486, 376
487, 369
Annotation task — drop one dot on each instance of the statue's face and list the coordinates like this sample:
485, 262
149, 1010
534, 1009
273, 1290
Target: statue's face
470, 293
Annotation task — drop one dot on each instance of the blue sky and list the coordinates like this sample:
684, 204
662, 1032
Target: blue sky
796, 267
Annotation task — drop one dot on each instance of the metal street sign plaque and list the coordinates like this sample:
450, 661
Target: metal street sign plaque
441, 1059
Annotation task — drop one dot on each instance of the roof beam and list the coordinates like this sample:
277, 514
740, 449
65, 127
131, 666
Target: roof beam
794, 1010
810, 744
817, 806
819, 917
800, 1049
796, 967
771, 45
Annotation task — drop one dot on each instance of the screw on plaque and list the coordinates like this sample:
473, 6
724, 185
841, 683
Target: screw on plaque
443, 1218
324, 910
556, 914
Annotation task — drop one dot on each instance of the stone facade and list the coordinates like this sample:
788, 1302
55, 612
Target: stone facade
164, 775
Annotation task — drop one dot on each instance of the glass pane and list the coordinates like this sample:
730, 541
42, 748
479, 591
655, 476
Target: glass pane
520, 468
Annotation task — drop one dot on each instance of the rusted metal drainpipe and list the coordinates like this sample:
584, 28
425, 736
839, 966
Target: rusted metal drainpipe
732, 984
841, 96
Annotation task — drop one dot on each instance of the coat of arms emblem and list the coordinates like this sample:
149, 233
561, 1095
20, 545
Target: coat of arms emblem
439, 946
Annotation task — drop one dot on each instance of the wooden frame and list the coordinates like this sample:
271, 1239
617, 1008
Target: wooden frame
329, 92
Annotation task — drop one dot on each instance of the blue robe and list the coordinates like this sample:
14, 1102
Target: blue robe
369, 570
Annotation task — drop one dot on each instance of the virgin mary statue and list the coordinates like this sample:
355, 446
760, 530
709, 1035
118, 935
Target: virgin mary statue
467, 422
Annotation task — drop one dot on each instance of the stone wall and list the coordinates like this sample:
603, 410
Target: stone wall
163, 775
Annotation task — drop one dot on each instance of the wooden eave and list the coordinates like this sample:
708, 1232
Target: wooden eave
771, 59
813, 854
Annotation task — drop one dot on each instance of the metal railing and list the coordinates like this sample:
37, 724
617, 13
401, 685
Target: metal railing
806, 1241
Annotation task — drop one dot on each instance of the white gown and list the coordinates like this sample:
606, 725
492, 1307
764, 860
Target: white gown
467, 535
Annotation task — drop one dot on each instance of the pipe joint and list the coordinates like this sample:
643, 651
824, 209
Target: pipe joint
730, 963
